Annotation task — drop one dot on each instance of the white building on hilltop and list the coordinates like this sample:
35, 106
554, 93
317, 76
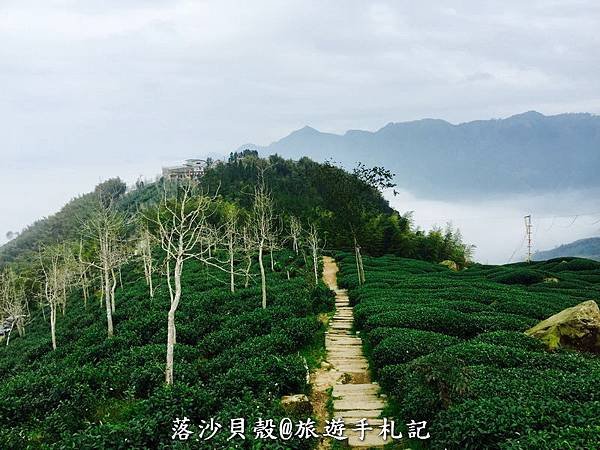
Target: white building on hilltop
191, 168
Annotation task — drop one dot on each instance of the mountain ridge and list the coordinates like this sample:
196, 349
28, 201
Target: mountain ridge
526, 152
582, 248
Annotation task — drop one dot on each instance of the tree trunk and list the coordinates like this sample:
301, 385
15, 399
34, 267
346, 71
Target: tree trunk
231, 275
357, 264
85, 289
272, 261
362, 267
107, 302
150, 285
247, 281
263, 278
171, 331
12, 325
53, 325
315, 264
112, 291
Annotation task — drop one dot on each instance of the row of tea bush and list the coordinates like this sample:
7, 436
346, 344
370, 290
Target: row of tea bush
448, 347
232, 360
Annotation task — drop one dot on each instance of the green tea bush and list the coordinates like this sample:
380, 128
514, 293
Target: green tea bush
423, 318
403, 345
497, 388
485, 423
578, 264
494, 321
232, 359
520, 276
511, 339
566, 438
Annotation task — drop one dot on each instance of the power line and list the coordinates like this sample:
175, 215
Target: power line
517, 249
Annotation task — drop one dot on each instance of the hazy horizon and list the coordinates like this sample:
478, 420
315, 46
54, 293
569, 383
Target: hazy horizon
98, 89
494, 225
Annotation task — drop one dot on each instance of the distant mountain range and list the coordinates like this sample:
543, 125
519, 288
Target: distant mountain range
583, 248
525, 153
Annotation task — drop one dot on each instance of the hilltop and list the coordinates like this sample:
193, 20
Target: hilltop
313, 192
524, 153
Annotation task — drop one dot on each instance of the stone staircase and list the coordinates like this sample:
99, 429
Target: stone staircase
355, 397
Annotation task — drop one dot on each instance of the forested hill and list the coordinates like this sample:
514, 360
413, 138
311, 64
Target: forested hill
336, 202
527, 152
583, 248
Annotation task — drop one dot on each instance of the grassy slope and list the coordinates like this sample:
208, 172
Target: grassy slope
233, 359
448, 348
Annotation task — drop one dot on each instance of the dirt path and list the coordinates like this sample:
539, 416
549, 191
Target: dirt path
346, 371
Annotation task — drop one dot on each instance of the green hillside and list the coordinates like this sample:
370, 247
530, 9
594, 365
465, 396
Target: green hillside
233, 359
448, 347
90, 296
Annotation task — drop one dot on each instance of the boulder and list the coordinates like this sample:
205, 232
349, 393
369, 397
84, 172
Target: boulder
450, 264
297, 405
577, 327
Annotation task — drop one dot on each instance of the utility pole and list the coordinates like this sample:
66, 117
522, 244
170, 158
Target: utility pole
528, 231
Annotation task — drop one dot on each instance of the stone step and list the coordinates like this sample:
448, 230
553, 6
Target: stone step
352, 416
341, 341
348, 356
337, 347
372, 403
340, 326
341, 350
348, 353
349, 389
348, 339
352, 363
352, 369
371, 439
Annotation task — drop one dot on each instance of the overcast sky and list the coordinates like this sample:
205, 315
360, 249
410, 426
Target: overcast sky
91, 89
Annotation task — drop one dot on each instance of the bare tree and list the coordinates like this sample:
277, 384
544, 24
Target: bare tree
232, 241
105, 229
272, 243
360, 269
248, 246
314, 243
181, 224
13, 302
295, 231
146, 242
262, 224
83, 269
56, 276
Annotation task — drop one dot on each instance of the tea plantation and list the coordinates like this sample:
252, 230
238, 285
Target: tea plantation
448, 347
232, 360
